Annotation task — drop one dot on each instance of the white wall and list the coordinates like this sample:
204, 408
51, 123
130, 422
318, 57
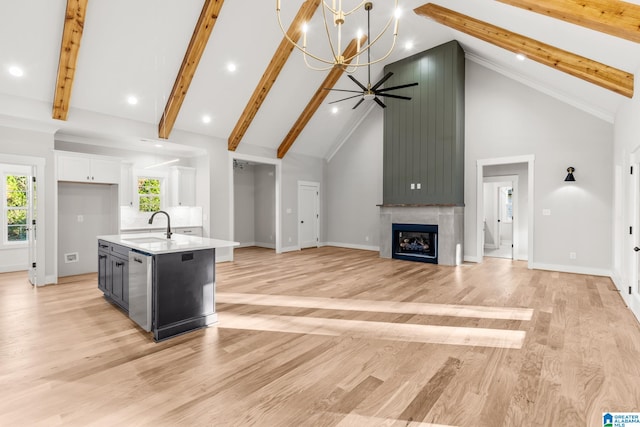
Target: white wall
98, 206
504, 119
244, 205
298, 167
354, 187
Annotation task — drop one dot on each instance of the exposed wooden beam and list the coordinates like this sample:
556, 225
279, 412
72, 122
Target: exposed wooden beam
616, 18
270, 75
594, 72
199, 39
71, 37
316, 100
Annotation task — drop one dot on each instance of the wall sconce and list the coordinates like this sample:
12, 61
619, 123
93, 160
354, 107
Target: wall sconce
570, 177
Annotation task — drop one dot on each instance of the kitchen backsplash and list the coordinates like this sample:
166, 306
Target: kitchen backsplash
181, 216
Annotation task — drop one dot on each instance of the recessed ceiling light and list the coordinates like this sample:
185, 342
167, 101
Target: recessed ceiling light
408, 45
158, 145
334, 110
16, 71
132, 100
206, 119
231, 67
521, 57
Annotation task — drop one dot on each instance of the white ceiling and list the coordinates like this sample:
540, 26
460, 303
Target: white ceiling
136, 47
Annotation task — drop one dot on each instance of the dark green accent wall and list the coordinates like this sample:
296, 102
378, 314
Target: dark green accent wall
424, 137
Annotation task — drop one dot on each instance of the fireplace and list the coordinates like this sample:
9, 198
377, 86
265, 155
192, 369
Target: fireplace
448, 231
415, 242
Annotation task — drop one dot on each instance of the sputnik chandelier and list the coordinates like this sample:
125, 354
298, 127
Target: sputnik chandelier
338, 16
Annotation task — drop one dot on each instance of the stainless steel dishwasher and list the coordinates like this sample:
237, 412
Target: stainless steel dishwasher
140, 278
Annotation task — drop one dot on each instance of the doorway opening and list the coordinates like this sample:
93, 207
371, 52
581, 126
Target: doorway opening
22, 240
308, 214
500, 216
504, 218
255, 201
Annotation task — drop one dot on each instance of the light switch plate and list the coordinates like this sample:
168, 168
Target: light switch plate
546, 212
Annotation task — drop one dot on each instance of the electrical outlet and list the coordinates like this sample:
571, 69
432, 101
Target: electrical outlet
413, 186
546, 212
289, 239
366, 238
572, 255
80, 218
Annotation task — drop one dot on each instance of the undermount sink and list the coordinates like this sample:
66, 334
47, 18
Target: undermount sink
146, 240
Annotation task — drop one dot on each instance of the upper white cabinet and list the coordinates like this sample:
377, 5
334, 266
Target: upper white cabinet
182, 186
83, 168
126, 184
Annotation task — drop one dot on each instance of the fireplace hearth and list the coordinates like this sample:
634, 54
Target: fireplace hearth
415, 242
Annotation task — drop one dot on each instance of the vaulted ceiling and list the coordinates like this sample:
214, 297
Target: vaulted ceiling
86, 57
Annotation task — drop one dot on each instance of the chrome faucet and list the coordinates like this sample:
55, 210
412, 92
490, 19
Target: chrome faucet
169, 233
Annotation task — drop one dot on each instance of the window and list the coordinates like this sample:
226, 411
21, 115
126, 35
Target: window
16, 208
149, 194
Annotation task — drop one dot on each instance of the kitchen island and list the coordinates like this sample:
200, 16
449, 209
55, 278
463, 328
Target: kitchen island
167, 286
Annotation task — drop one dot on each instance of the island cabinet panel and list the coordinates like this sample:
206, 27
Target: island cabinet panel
113, 273
103, 266
183, 296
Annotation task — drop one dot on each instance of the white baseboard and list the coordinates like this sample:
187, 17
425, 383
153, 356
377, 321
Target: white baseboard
289, 249
469, 258
352, 246
265, 245
245, 245
12, 268
572, 269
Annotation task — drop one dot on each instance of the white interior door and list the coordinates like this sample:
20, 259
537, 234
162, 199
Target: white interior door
308, 214
32, 225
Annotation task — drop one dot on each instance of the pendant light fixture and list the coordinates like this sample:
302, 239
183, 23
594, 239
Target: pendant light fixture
335, 15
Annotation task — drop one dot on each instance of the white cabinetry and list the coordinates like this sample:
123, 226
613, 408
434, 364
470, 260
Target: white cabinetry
182, 183
126, 184
82, 168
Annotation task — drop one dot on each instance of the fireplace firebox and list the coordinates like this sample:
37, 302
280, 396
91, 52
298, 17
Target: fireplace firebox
415, 242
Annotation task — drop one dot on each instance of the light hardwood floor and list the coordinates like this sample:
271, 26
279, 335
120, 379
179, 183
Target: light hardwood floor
329, 337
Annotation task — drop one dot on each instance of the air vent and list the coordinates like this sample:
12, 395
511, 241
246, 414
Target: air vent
71, 257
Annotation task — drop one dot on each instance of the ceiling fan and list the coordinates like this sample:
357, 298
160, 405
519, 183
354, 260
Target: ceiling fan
369, 92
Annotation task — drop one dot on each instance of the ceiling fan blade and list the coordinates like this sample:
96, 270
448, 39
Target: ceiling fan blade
384, 79
380, 103
397, 87
344, 99
343, 90
393, 96
357, 82
359, 102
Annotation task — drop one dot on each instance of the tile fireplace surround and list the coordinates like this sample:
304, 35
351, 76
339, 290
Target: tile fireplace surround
449, 219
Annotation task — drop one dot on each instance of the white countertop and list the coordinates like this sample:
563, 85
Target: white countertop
157, 243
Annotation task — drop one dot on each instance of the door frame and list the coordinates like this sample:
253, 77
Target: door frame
481, 163
262, 160
317, 227
633, 299
514, 181
38, 165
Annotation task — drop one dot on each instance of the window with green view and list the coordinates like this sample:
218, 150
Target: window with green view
16, 208
149, 194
